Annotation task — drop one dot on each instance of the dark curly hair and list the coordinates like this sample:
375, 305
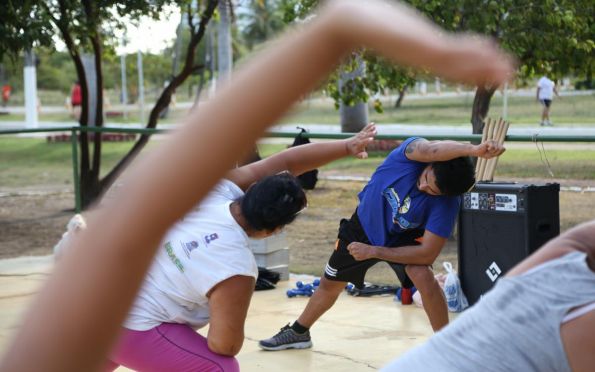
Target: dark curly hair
273, 202
454, 177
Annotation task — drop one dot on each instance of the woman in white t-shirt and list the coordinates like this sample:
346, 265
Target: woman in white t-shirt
546, 89
204, 272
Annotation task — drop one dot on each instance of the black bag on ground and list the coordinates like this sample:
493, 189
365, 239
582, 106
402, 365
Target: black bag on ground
266, 279
372, 290
307, 180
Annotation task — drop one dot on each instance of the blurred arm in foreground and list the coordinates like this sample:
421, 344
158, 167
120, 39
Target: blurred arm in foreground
86, 299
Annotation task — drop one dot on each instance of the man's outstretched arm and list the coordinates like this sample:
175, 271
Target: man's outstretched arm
429, 151
300, 159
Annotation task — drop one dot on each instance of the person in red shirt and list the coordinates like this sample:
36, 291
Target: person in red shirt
6, 90
76, 99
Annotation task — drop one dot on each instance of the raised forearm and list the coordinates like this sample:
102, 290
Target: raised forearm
429, 151
300, 159
408, 255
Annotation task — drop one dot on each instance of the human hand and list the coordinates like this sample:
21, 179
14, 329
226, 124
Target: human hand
361, 251
356, 145
476, 60
488, 149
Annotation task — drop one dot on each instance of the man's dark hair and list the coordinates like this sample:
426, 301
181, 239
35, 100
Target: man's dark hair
454, 177
272, 202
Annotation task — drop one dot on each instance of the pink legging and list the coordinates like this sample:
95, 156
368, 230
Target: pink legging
168, 347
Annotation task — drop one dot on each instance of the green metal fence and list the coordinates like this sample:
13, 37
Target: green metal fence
74, 130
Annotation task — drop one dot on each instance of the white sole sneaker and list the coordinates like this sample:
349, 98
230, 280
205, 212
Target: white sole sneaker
295, 345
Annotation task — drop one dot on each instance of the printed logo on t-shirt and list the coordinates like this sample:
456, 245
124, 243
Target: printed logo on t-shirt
211, 237
189, 247
399, 209
172, 256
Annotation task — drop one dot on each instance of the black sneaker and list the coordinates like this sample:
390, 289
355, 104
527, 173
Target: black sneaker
287, 338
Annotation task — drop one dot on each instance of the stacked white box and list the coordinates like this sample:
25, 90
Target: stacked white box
272, 253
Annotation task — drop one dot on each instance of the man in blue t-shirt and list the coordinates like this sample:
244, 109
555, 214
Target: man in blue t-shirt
411, 203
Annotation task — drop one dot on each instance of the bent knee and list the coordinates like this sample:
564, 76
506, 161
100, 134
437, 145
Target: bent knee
225, 349
331, 286
421, 275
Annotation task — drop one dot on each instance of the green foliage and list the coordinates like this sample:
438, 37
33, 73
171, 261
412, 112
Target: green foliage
23, 25
555, 37
260, 20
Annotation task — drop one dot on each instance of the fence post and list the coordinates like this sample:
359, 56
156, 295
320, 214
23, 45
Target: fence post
75, 169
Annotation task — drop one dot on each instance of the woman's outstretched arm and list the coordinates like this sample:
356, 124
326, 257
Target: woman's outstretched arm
73, 321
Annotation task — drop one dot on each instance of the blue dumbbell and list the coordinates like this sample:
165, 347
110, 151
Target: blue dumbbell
298, 292
316, 282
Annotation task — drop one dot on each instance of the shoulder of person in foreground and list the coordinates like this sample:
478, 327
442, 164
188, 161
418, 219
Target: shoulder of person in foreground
580, 238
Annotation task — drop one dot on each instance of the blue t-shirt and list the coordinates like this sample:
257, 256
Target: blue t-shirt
391, 202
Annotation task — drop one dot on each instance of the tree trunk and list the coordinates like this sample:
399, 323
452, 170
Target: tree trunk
481, 106
355, 117
90, 186
399, 101
224, 50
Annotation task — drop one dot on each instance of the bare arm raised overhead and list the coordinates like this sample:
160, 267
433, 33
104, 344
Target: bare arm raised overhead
430, 151
300, 159
88, 296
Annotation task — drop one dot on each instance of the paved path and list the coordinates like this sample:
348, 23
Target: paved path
357, 334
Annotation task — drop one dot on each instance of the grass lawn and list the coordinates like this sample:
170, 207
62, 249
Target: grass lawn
571, 110
28, 162
132, 116
566, 162
568, 111
34, 163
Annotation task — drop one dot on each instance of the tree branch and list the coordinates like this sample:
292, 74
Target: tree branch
165, 97
62, 23
91, 16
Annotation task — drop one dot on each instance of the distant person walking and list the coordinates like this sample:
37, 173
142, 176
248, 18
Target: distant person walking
6, 90
76, 99
545, 94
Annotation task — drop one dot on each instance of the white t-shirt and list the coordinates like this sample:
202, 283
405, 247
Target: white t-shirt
204, 248
546, 88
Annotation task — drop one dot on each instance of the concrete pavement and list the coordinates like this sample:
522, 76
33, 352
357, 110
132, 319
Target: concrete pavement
357, 334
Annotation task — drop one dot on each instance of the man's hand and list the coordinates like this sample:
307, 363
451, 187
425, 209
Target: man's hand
356, 145
361, 251
487, 149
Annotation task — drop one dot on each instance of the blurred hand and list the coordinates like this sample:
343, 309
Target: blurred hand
476, 60
488, 149
356, 145
361, 251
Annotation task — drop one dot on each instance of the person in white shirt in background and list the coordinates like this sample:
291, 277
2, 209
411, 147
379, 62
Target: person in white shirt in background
546, 89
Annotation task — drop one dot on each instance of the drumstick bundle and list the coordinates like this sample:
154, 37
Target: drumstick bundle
493, 130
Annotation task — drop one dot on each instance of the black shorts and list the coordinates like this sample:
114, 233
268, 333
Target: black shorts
546, 102
343, 267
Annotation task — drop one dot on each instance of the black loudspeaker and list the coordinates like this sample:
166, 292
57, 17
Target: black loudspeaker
500, 224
